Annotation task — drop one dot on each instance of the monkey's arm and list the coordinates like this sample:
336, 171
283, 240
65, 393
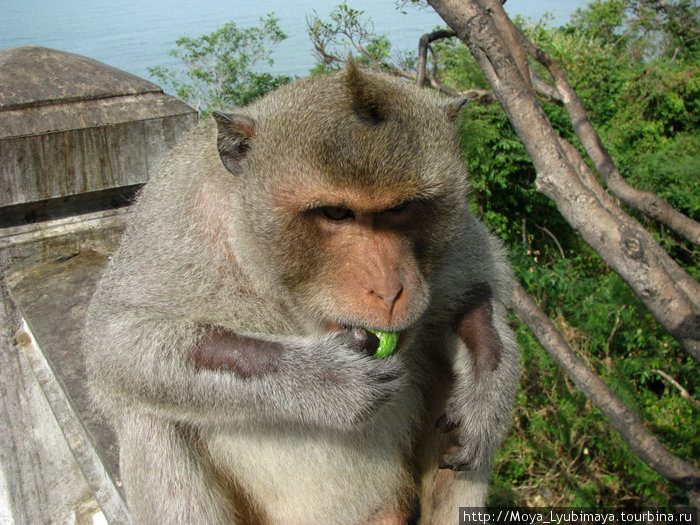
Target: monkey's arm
486, 374
212, 375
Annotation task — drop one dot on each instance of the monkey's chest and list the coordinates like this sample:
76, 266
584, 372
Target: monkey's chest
306, 476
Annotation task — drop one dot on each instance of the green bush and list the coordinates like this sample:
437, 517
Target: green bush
219, 69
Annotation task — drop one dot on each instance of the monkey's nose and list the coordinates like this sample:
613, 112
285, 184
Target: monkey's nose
388, 292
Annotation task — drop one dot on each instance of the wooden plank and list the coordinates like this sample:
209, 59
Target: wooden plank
41, 481
52, 300
79, 441
86, 159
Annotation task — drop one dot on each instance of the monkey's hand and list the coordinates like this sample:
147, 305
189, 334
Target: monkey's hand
478, 410
329, 381
465, 442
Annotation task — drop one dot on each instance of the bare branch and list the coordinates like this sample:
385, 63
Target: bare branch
423, 44
646, 202
556, 241
644, 444
618, 323
687, 286
544, 89
510, 35
684, 393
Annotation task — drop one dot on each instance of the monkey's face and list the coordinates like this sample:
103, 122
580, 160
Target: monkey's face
349, 187
346, 255
355, 259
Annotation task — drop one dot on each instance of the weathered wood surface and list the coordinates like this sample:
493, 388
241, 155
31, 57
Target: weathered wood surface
36, 462
61, 164
53, 299
36, 243
44, 311
70, 125
38, 76
77, 140
40, 479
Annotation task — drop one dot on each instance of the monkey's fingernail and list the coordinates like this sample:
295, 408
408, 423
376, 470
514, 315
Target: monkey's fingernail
367, 341
444, 425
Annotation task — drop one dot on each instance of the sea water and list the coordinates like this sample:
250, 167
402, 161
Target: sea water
137, 34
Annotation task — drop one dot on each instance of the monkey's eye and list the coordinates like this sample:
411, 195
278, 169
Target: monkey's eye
399, 208
335, 213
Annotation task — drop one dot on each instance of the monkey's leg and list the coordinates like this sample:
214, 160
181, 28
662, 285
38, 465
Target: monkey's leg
165, 480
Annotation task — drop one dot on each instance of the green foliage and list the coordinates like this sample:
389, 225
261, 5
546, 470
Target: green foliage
502, 178
219, 68
601, 19
666, 30
672, 25
561, 449
457, 66
657, 145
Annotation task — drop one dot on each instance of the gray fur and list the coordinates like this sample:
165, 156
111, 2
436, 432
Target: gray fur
332, 435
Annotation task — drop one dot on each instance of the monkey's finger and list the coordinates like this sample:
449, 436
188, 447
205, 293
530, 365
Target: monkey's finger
367, 341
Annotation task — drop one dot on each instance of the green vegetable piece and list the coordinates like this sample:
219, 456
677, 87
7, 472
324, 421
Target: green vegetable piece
387, 342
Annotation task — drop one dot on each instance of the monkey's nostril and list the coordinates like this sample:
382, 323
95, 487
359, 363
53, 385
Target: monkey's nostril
388, 295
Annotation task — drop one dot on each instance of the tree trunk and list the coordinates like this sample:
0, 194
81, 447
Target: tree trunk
667, 291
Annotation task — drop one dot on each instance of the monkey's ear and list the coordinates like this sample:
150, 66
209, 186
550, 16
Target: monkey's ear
366, 98
453, 107
233, 141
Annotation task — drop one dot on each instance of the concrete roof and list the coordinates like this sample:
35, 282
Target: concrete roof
37, 76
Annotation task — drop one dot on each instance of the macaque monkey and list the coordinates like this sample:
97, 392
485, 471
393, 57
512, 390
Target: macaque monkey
231, 340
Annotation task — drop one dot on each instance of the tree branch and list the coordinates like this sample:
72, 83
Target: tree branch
621, 241
556, 241
423, 44
627, 423
684, 393
646, 202
543, 88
